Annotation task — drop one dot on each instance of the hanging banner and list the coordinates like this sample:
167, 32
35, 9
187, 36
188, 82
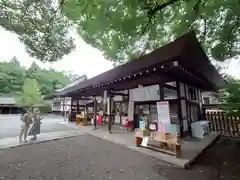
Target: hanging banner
163, 115
130, 110
105, 97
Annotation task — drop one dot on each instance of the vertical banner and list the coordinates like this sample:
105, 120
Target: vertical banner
163, 115
105, 97
104, 102
130, 110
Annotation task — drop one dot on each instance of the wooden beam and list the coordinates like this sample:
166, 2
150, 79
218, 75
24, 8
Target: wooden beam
110, 113
179, 105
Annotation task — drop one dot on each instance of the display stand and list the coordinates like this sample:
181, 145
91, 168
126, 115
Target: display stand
159, 141
159, 135
81, 119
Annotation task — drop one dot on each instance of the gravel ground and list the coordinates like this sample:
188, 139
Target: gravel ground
88, 158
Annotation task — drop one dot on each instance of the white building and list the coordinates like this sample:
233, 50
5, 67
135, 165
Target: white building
63, 104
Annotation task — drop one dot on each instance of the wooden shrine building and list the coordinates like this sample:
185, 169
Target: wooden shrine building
177, 72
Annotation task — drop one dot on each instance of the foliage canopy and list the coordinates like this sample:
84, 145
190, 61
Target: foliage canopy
12, 77
231, 97
129, 28
40, 26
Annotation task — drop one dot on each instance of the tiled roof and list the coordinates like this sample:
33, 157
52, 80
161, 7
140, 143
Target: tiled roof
7, 100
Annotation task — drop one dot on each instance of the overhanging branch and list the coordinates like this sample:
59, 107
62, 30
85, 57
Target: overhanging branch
152, 11
159, 7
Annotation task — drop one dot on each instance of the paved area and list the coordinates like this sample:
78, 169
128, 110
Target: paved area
14, 141
191, 148
10, 125
88, 158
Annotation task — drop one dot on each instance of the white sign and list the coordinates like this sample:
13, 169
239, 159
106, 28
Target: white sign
105, 97
148, 93
144, 141
163, 112
130, 110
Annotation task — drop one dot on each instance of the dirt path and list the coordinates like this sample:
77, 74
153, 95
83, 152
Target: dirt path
223, 156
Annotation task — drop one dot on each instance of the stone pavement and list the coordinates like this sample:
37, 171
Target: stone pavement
86, 157
10, 125
14, 141
191, 147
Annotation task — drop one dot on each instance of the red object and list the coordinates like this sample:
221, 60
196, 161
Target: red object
100, 119
138, 141
129, 124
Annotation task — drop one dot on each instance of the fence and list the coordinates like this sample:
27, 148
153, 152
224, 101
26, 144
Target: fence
225, 125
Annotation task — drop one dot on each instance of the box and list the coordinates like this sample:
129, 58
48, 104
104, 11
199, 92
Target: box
159, 136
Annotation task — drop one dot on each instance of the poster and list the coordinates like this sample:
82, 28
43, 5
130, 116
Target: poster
145, 141
163, 112
163, 115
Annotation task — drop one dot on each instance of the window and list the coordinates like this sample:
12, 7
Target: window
169, 93
206, 100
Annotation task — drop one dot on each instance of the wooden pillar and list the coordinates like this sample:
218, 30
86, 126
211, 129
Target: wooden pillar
179, 105
95, 112
86, 108
110, 113
71, 110
120, 113
10, 110
105, 95
78, 106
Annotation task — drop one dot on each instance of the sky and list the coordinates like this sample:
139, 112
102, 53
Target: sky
83, 60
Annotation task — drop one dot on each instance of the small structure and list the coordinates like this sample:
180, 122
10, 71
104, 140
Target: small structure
8, 106
160, 93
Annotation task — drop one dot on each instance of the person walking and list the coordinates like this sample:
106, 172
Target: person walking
35, 129
26, 120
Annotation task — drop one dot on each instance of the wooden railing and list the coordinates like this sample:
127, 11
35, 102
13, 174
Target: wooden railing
224, 124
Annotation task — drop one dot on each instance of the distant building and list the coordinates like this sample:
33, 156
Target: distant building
210, 98
8, 106
63, 104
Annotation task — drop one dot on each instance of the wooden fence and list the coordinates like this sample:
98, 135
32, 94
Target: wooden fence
225, 125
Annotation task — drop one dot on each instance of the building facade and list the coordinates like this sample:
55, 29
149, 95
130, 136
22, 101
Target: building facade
174, 75
210, 98
62, 104
8, 106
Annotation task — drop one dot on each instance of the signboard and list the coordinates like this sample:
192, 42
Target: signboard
163, 115
144, 141
163, 112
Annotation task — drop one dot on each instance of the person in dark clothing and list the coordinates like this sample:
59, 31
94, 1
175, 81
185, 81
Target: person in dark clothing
35, 129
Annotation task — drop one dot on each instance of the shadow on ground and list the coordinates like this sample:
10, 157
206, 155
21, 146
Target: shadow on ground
223, 157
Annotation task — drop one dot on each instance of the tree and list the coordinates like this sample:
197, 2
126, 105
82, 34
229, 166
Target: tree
40, 26
30, 95
12, 77
126, 29
231, 97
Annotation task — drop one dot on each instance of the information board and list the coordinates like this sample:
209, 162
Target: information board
163, 112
